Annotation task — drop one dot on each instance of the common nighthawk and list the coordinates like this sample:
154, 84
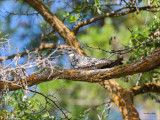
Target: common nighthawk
84, 62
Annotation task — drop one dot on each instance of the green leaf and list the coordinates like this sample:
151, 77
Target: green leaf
72, 18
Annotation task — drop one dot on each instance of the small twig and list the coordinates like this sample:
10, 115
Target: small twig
154, 71
98, 48
133, 35
41, 47
47, 98
125, 50
96, 106
138, 81
20, 14
46, 36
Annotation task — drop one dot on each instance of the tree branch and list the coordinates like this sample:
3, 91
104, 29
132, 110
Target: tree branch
148, 87
56, 24
113, 14
41, 47
145, 64
128, 49
56, 105
60, 46
123, 99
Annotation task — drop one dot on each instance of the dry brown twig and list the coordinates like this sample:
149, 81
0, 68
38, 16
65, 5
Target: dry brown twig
115, 13
17, 75
54, 103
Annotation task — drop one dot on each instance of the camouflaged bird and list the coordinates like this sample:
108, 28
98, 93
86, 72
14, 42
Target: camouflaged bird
84, 62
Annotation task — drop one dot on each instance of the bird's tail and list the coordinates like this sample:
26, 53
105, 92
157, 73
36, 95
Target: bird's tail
113, 63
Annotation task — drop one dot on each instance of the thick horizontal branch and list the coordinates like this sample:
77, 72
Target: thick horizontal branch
115, 13
148, 87
41, 47
145, 64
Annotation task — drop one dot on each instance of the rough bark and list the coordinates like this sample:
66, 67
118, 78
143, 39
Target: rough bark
57, 25
145, 64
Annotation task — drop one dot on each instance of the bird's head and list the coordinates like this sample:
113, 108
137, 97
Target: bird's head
71, 51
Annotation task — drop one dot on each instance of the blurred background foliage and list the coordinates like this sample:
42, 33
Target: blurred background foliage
25, 28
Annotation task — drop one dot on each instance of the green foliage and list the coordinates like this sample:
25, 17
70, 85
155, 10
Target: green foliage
18, 106
83, 10
155, 25
155, 2
99, 37
154, 97
142, 35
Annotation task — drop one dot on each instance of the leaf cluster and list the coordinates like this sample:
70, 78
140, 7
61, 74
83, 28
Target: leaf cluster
140, 35
83, 10
18, 106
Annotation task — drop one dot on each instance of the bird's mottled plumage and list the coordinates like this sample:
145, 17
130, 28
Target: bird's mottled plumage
84, 62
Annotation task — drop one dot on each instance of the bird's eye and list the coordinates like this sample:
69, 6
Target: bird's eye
69, 50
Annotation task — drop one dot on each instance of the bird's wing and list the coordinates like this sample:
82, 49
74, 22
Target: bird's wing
99, 64
111, 63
